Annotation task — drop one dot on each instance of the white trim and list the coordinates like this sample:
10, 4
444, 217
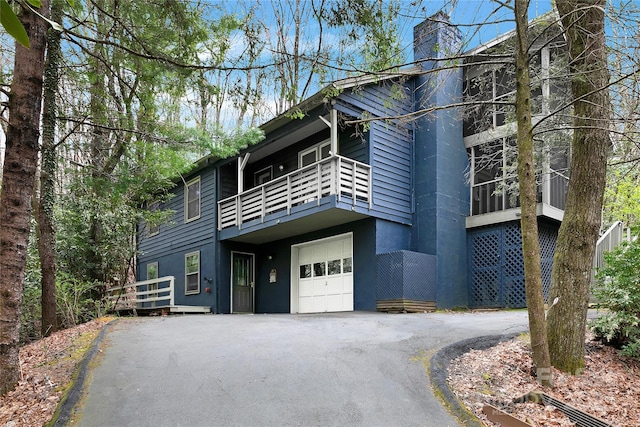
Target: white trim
512, 214
261, 171
295, 264
253, 285
186, 274
186, 199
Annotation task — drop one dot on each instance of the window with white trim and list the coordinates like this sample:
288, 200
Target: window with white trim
192, 200
192, 273
313, 154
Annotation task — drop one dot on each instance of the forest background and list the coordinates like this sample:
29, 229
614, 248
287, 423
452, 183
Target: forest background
139, 90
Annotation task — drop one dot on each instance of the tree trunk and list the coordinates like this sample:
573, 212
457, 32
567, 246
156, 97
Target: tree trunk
528, 201
583, 21
21, 159
48, 170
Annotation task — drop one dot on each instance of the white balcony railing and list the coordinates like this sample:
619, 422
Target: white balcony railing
335, 175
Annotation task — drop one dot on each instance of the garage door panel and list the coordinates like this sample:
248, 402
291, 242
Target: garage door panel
347, 284
319, 287
335, 285
306, 288
306, 305
347, 302
334, 303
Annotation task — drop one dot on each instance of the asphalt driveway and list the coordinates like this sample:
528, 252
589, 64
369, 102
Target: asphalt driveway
355, 369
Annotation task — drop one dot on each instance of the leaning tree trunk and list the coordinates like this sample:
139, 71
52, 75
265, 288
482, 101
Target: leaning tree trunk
583, 21
48, 169
21, 159
528, 201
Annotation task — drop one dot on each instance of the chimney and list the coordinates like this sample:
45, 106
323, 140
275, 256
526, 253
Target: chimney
435, 38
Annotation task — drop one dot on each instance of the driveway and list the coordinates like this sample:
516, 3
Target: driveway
355, 369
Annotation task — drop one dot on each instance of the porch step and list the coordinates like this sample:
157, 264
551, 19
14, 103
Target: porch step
405, 306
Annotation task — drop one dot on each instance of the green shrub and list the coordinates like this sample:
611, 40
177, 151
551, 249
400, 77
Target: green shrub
75, 301
618, 290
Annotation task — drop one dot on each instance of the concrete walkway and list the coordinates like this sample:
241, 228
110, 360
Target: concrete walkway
356, 369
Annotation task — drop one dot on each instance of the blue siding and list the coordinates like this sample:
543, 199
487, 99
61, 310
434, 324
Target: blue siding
353, 147
177, 238
389, 149
392, 169
379, 99
441, 190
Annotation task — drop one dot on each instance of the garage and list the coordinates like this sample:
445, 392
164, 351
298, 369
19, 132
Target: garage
324, 272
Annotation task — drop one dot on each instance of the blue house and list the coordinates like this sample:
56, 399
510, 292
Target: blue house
410, 212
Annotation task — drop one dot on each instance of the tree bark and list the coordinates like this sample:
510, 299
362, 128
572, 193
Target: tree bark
583, 22
48, 170
21, 159
528, 201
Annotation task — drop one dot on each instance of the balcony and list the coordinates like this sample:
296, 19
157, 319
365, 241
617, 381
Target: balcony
488, 198
348, 180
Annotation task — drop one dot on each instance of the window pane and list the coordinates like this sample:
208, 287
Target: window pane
305, 271
192, 264
318, 269
324, 151
192, 282
308, 159
346, 265
152, 271
333, 267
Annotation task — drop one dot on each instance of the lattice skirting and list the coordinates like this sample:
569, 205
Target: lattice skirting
496, 265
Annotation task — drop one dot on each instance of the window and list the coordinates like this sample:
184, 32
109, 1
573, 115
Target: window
346, 265
153, 229
152, 273
305, 271
319, 269
263, 175
152, 270
192, 200
192, 273
315, 153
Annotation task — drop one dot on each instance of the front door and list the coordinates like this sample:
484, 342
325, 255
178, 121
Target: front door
242, 282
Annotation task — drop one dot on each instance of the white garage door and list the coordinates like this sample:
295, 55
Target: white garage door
325, 276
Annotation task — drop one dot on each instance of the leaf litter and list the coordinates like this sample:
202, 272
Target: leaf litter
608, 388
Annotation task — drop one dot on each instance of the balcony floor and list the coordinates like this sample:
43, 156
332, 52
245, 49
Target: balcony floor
303, 219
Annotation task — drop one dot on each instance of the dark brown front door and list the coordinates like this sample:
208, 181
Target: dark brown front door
242, 282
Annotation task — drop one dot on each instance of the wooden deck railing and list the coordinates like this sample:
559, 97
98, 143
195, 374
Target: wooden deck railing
160, 289
335, 175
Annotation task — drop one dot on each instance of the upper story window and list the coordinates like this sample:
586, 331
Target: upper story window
153, 229
192, 200
490, 92
313, 154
